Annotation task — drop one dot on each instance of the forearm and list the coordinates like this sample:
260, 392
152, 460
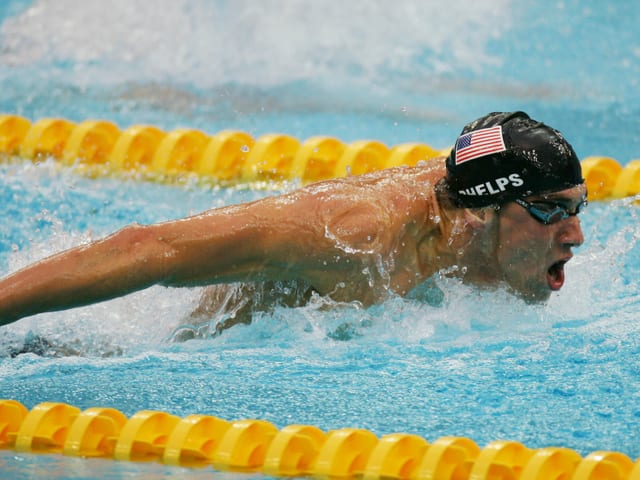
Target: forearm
263, 240
119, 264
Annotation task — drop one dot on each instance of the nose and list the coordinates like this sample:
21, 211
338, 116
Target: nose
571, 233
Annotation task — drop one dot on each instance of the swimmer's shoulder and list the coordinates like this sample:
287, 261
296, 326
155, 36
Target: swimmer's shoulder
423, 176
384, 196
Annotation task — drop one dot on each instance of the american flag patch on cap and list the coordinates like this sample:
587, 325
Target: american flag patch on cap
479, 143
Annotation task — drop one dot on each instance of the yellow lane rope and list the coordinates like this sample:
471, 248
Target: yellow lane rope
295, 450
235, 157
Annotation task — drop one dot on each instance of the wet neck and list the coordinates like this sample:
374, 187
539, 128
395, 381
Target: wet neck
442, 247
470, 250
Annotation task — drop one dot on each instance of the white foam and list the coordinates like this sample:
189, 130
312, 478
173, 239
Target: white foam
270, 42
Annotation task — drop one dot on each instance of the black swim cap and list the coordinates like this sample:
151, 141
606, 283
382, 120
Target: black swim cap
503, 156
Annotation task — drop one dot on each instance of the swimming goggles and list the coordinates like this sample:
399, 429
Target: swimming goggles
547, 212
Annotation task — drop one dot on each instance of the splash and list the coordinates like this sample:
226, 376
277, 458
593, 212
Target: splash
603, 276
275, 42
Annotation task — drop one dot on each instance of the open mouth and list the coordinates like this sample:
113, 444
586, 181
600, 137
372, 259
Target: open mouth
555, 275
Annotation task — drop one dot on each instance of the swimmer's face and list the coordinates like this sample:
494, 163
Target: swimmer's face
531, 255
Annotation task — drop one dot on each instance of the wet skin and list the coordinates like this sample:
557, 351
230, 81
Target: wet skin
359, 238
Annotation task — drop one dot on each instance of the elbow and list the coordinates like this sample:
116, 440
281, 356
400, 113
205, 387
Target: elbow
149, 254
132, 238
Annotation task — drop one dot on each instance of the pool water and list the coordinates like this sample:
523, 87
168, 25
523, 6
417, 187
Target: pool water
476, 364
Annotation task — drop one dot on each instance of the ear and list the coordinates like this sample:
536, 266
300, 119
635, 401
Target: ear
479, 218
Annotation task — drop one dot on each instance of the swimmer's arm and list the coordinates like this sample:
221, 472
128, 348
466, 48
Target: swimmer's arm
253, 243
121, 263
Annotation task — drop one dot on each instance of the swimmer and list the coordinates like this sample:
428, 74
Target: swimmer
501, 210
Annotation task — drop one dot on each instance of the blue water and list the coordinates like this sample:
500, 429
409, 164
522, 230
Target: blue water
481, 365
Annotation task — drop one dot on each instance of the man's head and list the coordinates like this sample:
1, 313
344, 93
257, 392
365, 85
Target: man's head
531, 180
504, 156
